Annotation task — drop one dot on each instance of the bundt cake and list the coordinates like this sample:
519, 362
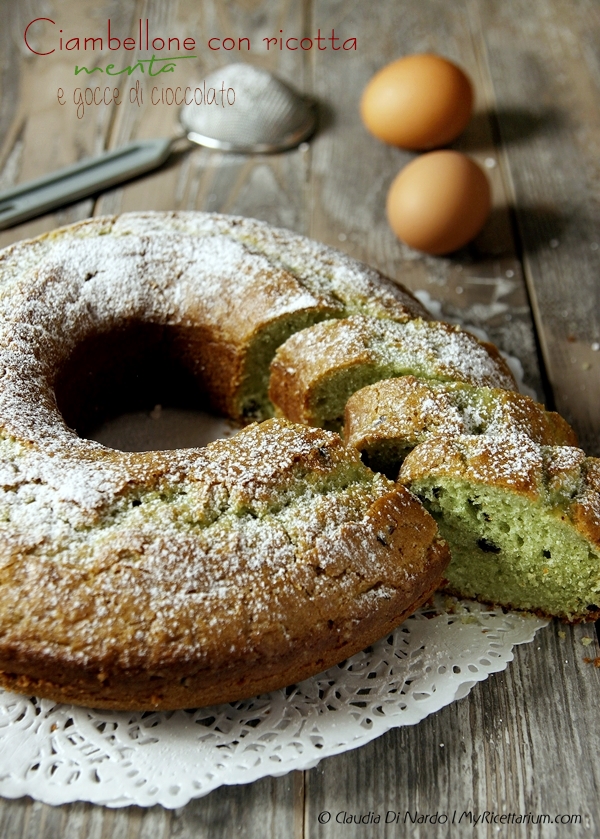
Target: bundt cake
175, 579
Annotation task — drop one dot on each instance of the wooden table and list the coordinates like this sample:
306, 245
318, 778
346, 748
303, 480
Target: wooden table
526, 740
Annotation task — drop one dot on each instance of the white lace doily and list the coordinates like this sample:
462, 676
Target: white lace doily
60, 753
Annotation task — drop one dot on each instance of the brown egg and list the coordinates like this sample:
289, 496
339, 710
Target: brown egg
418, 102
439, 202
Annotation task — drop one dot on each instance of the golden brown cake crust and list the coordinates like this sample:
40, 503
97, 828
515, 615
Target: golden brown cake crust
206, 288
196, 691
173, 579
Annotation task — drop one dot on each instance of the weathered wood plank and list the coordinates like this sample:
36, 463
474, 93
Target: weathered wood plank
270, 808
500, 742
10, 77
38, 135
543, 61
525, 741
482, 284
266, 187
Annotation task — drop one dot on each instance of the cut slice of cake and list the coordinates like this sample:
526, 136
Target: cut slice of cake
386, 420
315, 371
522, 520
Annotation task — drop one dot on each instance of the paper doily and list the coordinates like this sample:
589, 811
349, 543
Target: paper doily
60, 753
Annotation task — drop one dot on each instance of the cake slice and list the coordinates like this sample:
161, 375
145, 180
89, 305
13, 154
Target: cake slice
315, 371
386, 420
522, 520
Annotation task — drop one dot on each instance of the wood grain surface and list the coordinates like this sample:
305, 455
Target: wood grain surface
527, 740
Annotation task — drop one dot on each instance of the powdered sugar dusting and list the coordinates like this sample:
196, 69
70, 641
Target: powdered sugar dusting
554, 476
510, 460
136, 543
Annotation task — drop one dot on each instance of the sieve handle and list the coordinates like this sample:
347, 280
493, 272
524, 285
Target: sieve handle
81, 180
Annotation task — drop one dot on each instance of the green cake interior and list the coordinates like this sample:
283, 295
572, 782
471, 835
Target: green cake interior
330, 396
253, 400
508, 549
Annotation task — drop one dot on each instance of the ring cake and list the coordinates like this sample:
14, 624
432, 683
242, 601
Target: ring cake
176, 579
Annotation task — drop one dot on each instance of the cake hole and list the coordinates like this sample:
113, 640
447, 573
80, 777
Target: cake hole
378, 462
487, 547
140, 388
